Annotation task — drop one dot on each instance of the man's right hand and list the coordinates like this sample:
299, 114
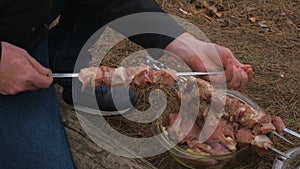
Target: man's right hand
20, 72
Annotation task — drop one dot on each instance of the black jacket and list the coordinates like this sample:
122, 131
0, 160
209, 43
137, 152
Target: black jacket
25, 22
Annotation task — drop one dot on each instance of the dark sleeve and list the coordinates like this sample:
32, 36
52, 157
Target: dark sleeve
149, 27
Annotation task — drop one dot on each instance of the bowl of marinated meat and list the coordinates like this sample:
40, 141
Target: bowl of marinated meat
214, 127
240, 125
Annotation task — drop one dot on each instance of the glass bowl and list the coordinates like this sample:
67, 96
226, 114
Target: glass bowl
195, 160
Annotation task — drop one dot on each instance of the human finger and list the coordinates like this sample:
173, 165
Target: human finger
250, 73
235, 81
40, 80
244, 80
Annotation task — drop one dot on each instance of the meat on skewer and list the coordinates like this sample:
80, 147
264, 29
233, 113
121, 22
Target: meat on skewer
246, 136
278, 123
134, 76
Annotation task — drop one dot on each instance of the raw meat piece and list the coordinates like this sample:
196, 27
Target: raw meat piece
244, 135
262, 141
91, 75
278, 123
183, 129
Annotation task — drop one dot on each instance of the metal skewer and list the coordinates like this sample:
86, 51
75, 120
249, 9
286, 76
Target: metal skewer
63, 75
277, 151
198, 73
283, 138
70, 75
292, 132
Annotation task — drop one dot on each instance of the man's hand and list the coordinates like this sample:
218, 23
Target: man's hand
203, 56
20, 72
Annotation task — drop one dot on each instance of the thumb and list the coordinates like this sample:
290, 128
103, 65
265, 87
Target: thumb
41, 81
249, 70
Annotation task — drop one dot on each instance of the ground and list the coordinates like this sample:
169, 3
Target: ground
263, 33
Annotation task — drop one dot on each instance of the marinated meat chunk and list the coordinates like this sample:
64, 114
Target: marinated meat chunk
183, 129
263, 128
265, 119
205, 88
174, 129
250, 117
224, 134
262, 141
244, 135
213, 148
93, 76
232, 107
278, 123
267, 128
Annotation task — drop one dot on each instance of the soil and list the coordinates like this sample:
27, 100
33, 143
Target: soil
263, 33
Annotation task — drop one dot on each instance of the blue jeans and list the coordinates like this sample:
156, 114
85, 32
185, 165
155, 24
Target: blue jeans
32, 135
